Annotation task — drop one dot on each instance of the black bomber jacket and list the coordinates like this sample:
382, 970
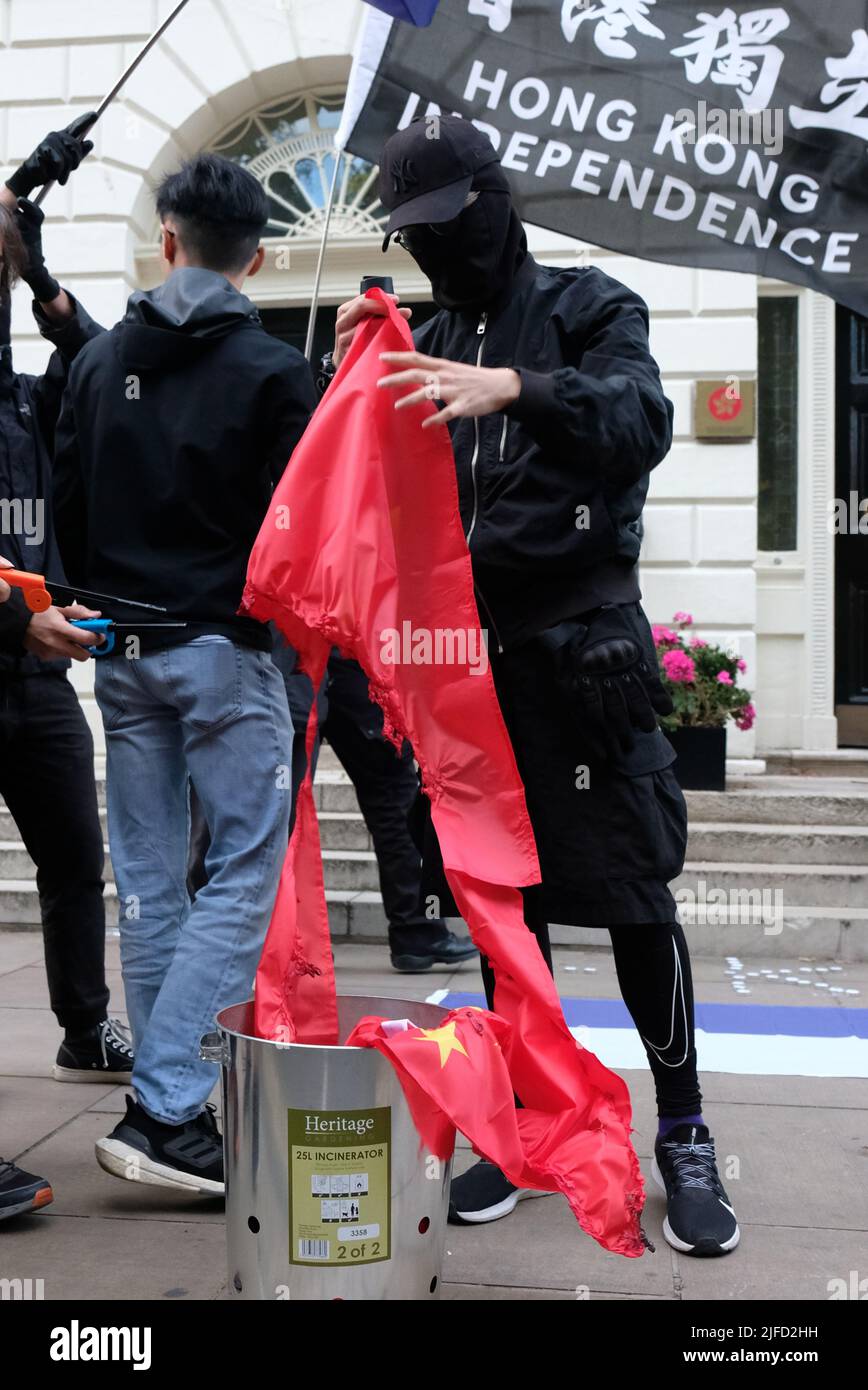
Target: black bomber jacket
551, 491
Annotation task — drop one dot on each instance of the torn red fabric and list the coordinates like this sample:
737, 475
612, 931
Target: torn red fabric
363, 548
458, 1076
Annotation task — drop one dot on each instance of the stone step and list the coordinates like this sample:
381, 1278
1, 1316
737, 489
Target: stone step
340, 830
743, 842
780, 805
837, 762
358, 915
350, 913
328, 760
764, 801
350, 870
10, 833
19, 904
15, 862
333, 791
766, 813
827, 935
803, 889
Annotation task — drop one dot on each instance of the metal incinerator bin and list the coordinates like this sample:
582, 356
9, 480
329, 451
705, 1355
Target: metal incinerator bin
330, 1193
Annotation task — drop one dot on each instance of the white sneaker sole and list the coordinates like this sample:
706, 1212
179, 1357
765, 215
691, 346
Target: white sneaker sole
93, 1075
509, 1204
672, 1239
123, 1161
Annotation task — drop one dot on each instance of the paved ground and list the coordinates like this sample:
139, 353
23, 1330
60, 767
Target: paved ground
800, 1147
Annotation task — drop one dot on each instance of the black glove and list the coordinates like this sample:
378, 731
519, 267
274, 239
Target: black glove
30, 220
611, 684
54, 158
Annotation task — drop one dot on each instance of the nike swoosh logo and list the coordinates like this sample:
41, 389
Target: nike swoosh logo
723, 1204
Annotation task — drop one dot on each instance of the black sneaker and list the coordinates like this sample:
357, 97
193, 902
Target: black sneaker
20, 1191
103, 1054
699, 1218
445, 950
484, 1194
188, 1157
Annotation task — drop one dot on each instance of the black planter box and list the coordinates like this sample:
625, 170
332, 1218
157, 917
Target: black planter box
701, 764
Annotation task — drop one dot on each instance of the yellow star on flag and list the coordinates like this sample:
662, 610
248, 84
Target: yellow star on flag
445, 1039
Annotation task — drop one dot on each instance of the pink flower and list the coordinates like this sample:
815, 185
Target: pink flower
664, 636
697, 642
724, 678
685, 619
742, 664
746, 717
679, 667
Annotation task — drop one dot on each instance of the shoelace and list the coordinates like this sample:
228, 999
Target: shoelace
694, 1165
110, 1032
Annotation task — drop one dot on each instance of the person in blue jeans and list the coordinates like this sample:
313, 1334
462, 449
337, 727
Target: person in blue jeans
175, 427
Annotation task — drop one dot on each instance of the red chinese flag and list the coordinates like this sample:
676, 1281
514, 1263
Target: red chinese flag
458, 1076
363, 548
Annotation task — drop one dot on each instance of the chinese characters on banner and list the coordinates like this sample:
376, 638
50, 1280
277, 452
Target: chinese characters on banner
731, 136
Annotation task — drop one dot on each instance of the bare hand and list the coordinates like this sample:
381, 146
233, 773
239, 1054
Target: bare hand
464, 389
5, 591
51, 636
350, 316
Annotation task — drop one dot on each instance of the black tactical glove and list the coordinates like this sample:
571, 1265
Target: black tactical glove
30, 220
54, 158
610, 682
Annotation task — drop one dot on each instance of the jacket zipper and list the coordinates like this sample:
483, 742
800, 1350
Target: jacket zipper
480, 332
503, 437
481, 598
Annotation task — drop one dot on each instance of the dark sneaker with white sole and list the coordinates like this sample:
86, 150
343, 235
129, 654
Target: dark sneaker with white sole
187, 1158
21, 1192
445, 950
484, 1194
699, 1216
103, 1054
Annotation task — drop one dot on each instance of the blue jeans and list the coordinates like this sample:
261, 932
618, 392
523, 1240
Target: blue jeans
216, 712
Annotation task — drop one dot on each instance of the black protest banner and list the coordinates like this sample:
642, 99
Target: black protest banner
732, 137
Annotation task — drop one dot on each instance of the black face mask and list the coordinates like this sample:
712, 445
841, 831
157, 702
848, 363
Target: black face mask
7, 375
470, 261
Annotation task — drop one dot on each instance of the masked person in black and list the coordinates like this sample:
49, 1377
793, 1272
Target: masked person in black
557, 415
46, 748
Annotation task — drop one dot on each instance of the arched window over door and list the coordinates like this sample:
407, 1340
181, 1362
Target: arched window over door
288, 146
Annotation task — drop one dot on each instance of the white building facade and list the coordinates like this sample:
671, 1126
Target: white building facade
262, 80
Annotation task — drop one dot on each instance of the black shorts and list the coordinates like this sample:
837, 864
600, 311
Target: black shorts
610, 837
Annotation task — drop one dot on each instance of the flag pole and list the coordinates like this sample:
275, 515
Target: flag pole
122, 80
314, 301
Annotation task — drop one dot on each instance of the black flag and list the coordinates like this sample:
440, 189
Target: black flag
725, 136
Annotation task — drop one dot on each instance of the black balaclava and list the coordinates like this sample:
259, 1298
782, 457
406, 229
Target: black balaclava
7, 375
472, 260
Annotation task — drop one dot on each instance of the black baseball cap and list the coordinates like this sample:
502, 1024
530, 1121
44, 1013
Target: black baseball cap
428, 169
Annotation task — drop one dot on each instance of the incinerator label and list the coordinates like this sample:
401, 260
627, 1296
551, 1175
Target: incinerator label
340, 1188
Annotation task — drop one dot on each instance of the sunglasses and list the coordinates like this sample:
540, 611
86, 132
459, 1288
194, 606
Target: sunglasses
439, 229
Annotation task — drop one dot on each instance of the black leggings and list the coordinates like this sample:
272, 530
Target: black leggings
653, 968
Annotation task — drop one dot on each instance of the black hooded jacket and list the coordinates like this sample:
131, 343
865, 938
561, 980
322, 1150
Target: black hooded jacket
175, 427
551, 491
29, 409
